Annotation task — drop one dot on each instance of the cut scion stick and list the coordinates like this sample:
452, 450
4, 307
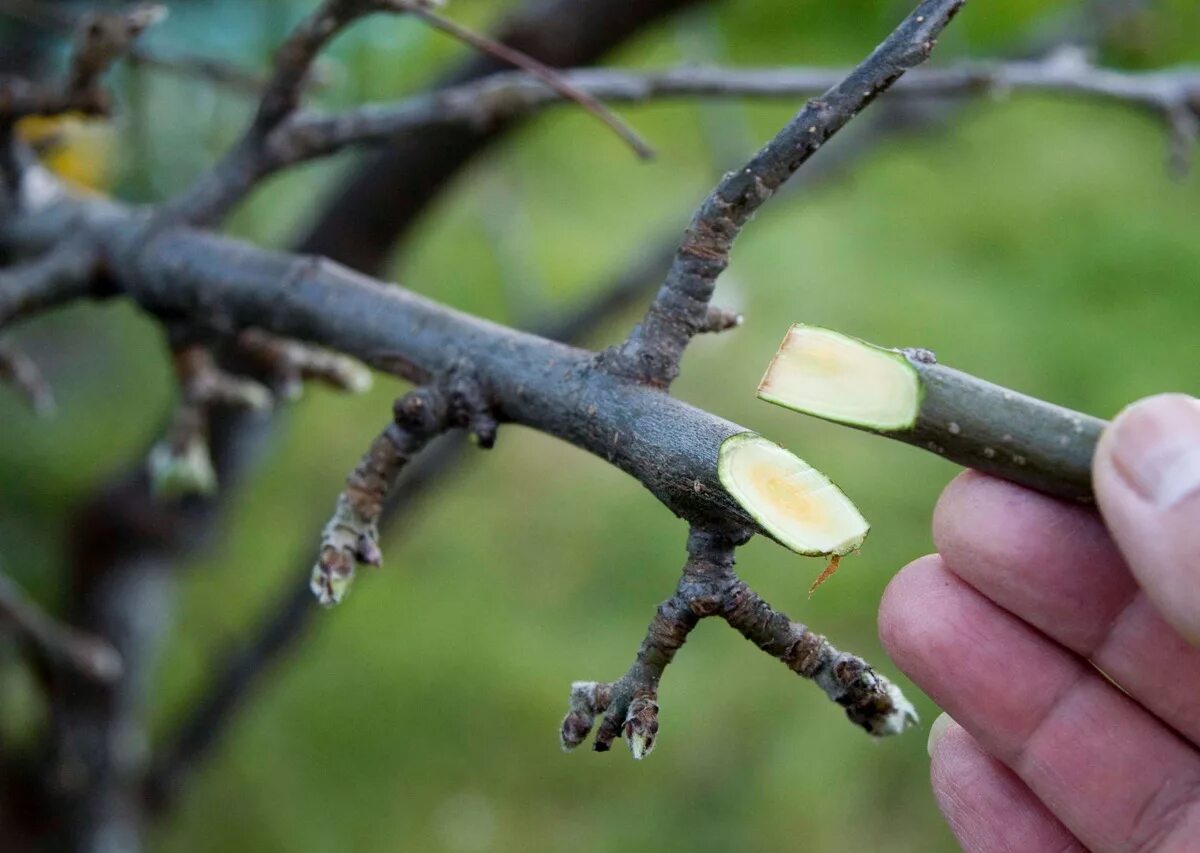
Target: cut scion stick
843, 379
908, 396
795, 503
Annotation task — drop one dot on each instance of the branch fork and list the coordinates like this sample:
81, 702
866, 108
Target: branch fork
710, 587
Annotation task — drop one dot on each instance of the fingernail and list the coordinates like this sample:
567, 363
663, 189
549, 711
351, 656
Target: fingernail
939, 728
1155, 448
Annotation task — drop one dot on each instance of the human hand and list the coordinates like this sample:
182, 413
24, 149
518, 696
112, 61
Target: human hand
1011, 624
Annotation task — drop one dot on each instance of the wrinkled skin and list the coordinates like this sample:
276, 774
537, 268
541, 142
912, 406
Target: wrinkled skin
1010, 624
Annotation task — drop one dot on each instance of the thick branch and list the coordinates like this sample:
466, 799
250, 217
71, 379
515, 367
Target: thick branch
655, 347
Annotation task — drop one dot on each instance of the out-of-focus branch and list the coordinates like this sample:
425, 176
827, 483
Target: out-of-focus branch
181, 464
710, 587
21, 372
505, 96
100, 40
54, 647
66, 272
387, 194
290, 364
654, 349
552, 79
214, 71
258, 152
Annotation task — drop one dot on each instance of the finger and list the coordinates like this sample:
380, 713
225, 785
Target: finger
1054, 565
988, 808
1147, 479
1111, 773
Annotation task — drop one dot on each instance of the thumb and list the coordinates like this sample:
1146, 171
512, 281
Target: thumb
1147, 479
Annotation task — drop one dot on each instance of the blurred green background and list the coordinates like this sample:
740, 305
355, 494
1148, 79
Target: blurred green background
1036, 242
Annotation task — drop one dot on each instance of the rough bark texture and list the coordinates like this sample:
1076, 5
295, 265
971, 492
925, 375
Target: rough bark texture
710, 587
654, 349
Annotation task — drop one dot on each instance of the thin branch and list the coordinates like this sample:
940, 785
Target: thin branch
555, 81
508, 95
258, 153
57, 19
710, 587
101, 39
21, 372
1011, 435
53, 646
290, 364
180, 465
352, 534
67, 272
654, 348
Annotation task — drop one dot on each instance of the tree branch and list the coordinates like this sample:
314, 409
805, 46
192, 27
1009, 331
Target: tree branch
509, 95
289, 615
66, 271
101, 39
654, 349
216, 72
913, 399
710, 587
55, 648
352, 535
257, 155
387, 194
21, 372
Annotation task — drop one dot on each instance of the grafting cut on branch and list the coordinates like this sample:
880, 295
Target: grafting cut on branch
710, 587
906, 395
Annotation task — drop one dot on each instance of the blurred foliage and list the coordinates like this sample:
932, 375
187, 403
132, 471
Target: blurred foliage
1038, 243
77, 150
